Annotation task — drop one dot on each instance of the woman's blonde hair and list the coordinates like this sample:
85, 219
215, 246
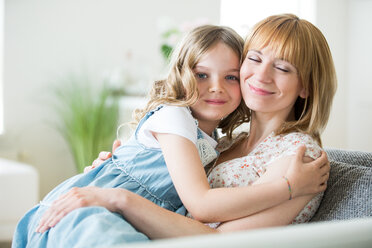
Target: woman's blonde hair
303, 45
180, 86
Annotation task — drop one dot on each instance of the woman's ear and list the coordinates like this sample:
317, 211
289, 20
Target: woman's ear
303, 93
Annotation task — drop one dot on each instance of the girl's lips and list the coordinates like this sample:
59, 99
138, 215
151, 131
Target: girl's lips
259, 91
215, 101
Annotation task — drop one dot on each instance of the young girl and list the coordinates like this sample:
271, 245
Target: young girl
163, 161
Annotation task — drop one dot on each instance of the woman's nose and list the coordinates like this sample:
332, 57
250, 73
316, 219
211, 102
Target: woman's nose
263, 73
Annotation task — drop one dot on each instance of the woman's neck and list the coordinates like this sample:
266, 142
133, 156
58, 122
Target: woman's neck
262, 125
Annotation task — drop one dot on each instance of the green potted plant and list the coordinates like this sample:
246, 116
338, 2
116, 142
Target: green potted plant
88, 117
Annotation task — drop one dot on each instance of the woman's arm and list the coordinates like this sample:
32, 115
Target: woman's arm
146, 216
294, 176
156, 222
206, 204
282, 214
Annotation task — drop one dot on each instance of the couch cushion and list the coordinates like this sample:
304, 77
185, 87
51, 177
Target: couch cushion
350, 157
349, 191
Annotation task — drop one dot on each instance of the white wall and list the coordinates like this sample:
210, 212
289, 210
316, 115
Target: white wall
359, 76
332, 19
347, 27
45, 39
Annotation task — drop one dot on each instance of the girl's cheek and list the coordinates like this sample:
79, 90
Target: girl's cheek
238, 93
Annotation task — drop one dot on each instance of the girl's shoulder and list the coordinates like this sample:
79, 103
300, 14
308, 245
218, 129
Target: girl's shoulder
178, 110
175, 115
168, 119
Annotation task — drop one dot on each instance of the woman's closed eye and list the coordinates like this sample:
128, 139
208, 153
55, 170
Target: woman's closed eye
254, 58
285, 66
282, 68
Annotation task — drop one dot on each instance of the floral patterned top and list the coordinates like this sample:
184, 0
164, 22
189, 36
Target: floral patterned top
246, 170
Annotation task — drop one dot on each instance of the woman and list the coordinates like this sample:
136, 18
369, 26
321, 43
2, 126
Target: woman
288, 81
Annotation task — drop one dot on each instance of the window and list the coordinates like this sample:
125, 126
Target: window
241, 15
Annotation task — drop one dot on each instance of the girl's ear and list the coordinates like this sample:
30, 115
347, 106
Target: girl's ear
303, 93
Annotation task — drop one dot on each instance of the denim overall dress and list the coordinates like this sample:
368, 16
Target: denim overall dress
133, 167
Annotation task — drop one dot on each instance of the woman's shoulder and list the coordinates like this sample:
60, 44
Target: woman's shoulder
298, 137
292, 141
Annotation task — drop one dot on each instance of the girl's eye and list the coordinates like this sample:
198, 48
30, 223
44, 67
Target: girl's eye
201, 75
231, 77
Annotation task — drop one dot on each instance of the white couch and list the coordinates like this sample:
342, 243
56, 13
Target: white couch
19, 191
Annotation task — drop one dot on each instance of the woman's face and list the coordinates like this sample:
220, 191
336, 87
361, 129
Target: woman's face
269, 84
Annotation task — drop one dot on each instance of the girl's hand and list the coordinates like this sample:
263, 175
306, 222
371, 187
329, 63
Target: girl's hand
76, 198
308, 177
102, 157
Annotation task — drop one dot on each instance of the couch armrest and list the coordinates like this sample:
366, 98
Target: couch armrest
347, 233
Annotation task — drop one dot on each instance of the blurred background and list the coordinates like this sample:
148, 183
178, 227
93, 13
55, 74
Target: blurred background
53, 49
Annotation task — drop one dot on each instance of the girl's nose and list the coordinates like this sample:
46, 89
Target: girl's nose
216, 86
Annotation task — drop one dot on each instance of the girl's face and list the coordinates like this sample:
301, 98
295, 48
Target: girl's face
269, 84
217, 75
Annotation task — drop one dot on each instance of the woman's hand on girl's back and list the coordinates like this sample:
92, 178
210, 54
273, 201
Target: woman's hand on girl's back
102, 157
307, 176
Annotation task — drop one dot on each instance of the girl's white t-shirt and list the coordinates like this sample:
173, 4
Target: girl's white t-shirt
172, 120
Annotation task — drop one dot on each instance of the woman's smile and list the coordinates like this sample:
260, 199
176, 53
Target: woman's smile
259, 91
